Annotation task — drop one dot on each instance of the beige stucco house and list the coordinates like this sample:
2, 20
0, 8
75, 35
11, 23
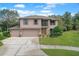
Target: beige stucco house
33, 26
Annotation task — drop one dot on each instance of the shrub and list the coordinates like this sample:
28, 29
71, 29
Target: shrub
57, 31
1, 36
6, 33
1, 43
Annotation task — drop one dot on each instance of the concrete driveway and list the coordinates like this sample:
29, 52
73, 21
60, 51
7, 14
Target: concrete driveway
21, 46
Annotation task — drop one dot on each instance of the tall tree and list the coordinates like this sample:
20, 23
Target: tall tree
9, 17
76, 21
67, 19
60, 21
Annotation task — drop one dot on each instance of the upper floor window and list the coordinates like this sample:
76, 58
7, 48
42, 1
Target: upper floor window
35, 21
44, 22
52, 22
25, 21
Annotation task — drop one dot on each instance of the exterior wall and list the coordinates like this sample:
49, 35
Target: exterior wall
53, 26
14, 33
30, 24
31, 30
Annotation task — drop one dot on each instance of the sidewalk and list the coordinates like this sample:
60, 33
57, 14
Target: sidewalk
59, 47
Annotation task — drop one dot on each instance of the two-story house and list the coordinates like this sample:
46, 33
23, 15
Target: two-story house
33, 26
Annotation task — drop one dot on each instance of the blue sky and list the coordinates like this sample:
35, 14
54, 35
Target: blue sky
26, 9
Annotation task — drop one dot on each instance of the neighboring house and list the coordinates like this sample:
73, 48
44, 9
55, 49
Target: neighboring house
33, 26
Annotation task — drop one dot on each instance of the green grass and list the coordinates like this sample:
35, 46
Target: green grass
60, 52
69, 38
4, 35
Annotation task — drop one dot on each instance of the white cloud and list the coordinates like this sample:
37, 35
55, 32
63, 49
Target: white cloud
45, 11
12, 9
23, 13
46, 14
72, 14
43, 14
41, 6
50, 5
19, 6
51, 14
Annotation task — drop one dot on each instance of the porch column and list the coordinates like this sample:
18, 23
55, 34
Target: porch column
48, 29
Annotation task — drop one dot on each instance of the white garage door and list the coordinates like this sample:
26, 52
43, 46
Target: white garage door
30, 33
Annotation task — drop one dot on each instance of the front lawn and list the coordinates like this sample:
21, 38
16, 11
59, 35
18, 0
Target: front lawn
60, 52
69, 38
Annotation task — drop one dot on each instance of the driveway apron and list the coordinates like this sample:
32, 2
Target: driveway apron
21, 46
